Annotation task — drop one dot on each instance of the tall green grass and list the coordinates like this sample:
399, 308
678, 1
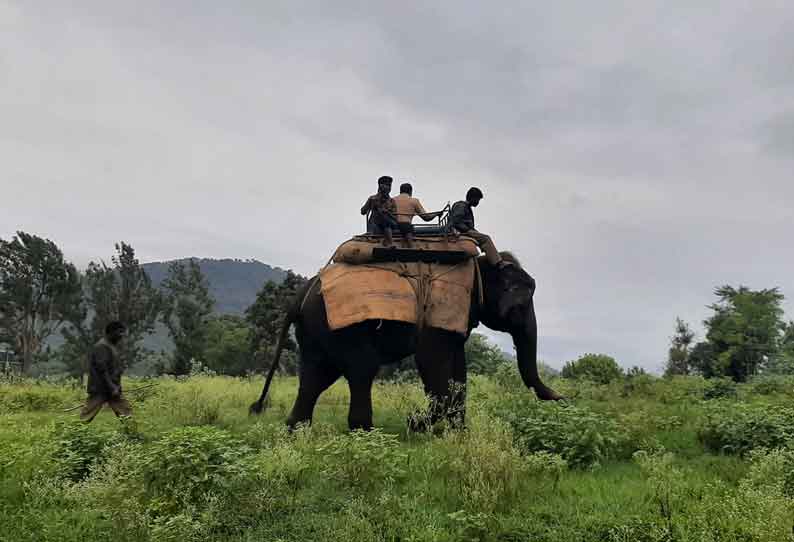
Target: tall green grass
642, 460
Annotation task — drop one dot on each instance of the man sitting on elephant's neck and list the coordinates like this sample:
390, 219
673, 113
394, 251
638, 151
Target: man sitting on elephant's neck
461, 217
382, 211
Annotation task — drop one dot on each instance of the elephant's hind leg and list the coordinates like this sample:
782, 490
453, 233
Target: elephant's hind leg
315, 377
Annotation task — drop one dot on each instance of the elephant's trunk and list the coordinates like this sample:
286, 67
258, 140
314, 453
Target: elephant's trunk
526, 343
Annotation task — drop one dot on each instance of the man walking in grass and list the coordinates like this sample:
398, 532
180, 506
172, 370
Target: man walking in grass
104, 375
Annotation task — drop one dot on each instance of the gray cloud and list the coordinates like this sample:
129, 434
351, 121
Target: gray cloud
634, 156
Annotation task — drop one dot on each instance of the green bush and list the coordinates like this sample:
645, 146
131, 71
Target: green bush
186, 464
582, 437
773, 469
363, 457
770, 384
720, 388
78, 447
599, 368
737, 428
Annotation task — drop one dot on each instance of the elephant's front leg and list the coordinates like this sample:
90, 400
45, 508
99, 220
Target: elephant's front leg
441, 363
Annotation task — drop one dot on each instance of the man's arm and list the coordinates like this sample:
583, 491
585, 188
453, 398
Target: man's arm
102, 360
367, 206
424, 215
457, 217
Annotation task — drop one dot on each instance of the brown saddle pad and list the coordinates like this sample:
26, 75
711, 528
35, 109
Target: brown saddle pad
419, 293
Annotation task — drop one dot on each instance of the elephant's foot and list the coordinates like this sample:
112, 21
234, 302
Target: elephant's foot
360, 425
422, 422
545, 393
419, 422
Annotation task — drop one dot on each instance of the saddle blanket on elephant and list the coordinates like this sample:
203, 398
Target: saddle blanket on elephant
359, 249
426, 294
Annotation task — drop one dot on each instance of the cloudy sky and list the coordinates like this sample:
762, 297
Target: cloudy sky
634, 155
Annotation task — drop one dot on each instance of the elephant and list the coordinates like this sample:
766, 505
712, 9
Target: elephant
356, 352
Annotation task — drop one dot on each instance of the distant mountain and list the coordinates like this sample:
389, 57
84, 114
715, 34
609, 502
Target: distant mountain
233, 283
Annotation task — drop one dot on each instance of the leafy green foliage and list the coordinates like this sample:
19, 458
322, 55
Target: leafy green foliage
680, 345
266, 316
38, 291
188, 463
737, 428
482, 356
363, 457
78, 448
599, 368
122, 292
744, 331
720, 388
582, 437
228, 349
186, 311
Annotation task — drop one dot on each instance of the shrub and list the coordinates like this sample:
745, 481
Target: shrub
737, 428
770, 384
363, 457
582, 437
78, 447
599, 368
720, 388
188, 463
483, 468
773, 469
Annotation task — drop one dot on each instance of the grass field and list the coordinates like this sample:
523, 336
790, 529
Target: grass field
642, 459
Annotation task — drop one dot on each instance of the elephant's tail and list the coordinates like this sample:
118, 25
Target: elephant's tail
259, 406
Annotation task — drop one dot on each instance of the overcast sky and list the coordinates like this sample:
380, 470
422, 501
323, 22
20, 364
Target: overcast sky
634, 155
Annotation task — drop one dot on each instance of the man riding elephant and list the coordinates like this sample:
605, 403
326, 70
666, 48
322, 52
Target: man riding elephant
408, 207
461, 217
382, 210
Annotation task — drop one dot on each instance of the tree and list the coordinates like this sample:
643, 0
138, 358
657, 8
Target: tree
783, 361
228, 348
680, 345
121, 292
482, 356
186, 310
746, 330
38, 291
266, 316
599, 368
703, 360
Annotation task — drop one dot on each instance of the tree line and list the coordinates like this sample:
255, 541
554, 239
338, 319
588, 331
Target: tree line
42, 295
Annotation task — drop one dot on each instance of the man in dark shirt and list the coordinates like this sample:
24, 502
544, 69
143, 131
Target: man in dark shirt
462, 218
104, 375
383, 211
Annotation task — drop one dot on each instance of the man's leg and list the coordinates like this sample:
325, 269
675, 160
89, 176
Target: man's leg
92, 407
487, 246
407, 231
120, 406
383, 228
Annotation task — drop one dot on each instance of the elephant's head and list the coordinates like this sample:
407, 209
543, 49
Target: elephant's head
508, 306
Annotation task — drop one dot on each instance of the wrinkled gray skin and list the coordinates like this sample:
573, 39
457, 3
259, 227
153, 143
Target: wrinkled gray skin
358, 351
